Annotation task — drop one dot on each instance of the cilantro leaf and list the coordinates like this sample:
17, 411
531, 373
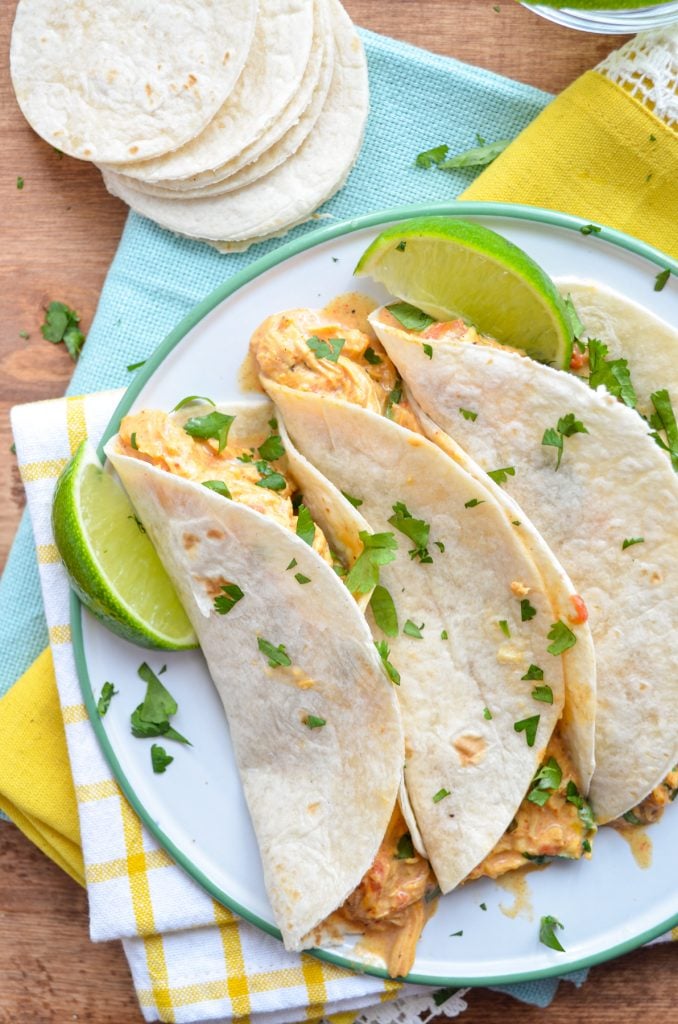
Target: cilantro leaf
543, 693
529, 727
191, 400
632, 818
371, 357
410, 629
291, 565
487, 714
527, 612
440, 795
19, 182
545, 782
394, 398
219, 486
547, 934
277, 656
313, 722
378, 550
431, 157
383, 652
561, 636
444, 635
566, 427
628, 542
108, 691
534, 672
329, 349
416, 529
271, 479
504, 627
356, 502
664, 419
401, 246
301, 579
160, 759
411, 318
405, 848
135, 366
612, 373
584, 809
214, 424
272, 448
133, 441
305, 529
478, 156
474, 502
468, 414
152, 717
428, 350
61, 324
661, 279
500, 476
384, 611
230, 597
590, 229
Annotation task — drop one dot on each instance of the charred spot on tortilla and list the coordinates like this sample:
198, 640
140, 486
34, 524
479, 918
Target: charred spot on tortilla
470, 748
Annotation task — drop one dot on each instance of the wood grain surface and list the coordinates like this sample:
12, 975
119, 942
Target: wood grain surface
59, 234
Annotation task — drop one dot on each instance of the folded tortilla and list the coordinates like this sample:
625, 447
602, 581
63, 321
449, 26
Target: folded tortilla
320, 796
609, 512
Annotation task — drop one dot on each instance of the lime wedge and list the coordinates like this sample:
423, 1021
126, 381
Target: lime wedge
112, 565
454, 269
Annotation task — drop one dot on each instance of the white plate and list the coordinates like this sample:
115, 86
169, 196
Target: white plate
609, 22
197, 810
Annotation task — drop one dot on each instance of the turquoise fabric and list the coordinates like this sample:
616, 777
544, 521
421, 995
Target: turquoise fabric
418, 100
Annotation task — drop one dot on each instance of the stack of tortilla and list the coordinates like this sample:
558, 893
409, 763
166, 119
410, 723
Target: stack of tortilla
230, 122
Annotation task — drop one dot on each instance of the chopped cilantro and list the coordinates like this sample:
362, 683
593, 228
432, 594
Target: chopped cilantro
383, 652
612, 373
431, 157
547, 934
270, 479
245, 457
487, 714
214, 424
441, 547
576, 325
19, 182
504, 627
273, 423
428, 350
477, 156
135, 366
160, 759
454, 935
632, 818
378, 549
567, 426
394, 397
292, 564
545, 782
151, 718
356, 502
133, 441
371, 356
590, 229
411, 318
272, 448
416, 529
277, 656
533, 672
584, 809
483, 906
586, 846
630, 541
529, 727
400, 247
527, 612
329, 349
661, 279
444, 635
300, 578
230, 597
500, 476
468, 415
61, 324
410, 629
219, 486
191, 400
384, 611
474, 502
561, 636
440, 795
313, 722
108, 691
405, 848
664, 419
305, 526
543, 693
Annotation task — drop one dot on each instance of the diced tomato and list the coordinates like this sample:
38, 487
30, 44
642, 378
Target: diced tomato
453, 328
581, 613
578, 359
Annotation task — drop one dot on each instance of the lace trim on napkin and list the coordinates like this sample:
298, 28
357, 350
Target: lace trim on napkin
414, 1009
647, 67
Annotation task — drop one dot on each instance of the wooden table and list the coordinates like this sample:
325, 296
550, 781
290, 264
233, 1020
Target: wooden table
59, 234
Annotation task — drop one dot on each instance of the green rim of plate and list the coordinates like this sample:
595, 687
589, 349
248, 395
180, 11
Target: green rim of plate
222, 292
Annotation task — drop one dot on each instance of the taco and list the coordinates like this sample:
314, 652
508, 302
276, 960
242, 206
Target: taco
591, 474
498, 725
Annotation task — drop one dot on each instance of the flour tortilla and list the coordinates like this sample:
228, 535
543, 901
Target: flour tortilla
445, 683
291, 192
128, 80
614, 483
630, 331
275, 65
214, 184
320, 799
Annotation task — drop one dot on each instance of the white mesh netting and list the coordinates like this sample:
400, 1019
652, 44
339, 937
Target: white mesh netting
648, 67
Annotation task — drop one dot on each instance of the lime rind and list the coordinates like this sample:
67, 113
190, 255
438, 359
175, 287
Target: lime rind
105, 585
450, 269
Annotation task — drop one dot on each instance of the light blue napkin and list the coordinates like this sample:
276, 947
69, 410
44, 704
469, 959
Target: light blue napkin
418, 100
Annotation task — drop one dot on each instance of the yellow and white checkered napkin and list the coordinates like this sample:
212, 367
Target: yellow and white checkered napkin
191, 959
